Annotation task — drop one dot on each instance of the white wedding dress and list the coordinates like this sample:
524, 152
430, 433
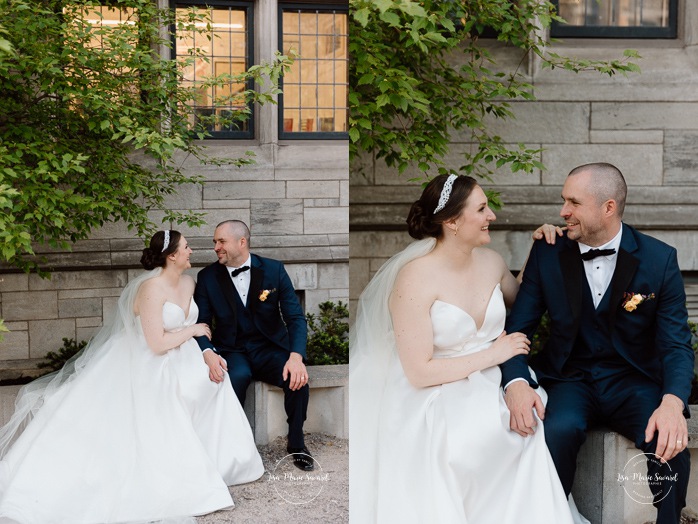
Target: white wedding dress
443, 453
132, 437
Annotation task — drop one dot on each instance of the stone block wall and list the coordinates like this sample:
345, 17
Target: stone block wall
646, 124
73, 304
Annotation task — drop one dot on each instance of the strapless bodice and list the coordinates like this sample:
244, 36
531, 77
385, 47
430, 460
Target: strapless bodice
455, 331
175, 318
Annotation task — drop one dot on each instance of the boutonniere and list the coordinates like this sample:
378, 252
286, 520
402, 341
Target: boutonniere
632, 300
264, 294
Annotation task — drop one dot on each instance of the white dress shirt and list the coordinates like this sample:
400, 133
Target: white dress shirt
242, 280
241, 283
599, 270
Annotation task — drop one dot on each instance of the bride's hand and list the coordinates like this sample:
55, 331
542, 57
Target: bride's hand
201, 330
549, 232
508, 346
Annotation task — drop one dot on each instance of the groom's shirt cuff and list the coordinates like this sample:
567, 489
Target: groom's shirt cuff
216, 352
512, 381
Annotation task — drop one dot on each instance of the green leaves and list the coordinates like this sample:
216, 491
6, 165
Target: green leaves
328, 334
91, 135
421, 78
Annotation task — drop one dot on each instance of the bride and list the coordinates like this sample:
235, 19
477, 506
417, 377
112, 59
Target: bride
429, 427
132, 430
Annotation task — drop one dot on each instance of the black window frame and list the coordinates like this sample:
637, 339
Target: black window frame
326, 6
248, 6
558, 30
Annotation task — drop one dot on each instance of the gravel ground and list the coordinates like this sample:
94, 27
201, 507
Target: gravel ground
287, 495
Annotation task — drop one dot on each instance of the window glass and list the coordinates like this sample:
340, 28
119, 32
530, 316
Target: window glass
314, 100
617, 18
224, 50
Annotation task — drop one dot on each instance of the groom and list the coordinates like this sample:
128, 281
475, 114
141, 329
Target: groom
258, 326
619, 353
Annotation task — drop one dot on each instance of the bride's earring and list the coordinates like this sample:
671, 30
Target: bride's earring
455, 231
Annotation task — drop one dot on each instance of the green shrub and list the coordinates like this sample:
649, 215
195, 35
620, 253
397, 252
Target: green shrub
541, 336
328, 335
56, 360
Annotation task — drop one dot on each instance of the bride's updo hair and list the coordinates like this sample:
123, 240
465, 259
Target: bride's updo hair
154, 255
422, 222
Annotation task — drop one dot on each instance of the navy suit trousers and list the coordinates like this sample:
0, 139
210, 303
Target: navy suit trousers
267, 364
623, 402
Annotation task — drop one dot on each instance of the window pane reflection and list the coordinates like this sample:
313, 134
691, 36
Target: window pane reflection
224, 52
615, 13
315, 90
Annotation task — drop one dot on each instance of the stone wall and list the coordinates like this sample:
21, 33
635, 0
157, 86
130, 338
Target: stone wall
646, 124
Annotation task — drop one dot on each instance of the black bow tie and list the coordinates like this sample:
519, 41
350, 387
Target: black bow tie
593, 253
239, 270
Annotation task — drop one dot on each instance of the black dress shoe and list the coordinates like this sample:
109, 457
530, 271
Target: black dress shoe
302, 458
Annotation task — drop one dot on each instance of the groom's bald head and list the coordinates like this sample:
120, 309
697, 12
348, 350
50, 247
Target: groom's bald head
606, 182
236, 228
231, 242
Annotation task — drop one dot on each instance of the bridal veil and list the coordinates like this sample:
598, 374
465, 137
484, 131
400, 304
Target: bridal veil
371, 349
32, 396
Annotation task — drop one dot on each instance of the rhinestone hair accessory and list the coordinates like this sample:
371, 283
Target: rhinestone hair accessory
166, 242
445, 192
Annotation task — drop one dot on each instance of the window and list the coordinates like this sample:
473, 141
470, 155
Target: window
616, 18
112, 34
314, 101
228, 50
105, 18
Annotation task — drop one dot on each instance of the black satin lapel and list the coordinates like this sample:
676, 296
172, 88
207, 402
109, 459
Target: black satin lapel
626, 265
572, 274
227, 286
256, 277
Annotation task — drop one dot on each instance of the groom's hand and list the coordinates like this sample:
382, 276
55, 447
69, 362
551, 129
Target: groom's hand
295, 369
671, 428
521, 400
217, 366
549, 232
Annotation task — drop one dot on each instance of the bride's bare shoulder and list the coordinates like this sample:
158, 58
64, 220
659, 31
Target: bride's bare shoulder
149, 286
188, 282
415, 268
150, 290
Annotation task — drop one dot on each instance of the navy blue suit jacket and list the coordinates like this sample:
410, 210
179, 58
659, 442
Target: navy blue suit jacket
654, 339
279, 318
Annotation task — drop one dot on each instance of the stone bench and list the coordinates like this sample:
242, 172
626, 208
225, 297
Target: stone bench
328, 408
597, 492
